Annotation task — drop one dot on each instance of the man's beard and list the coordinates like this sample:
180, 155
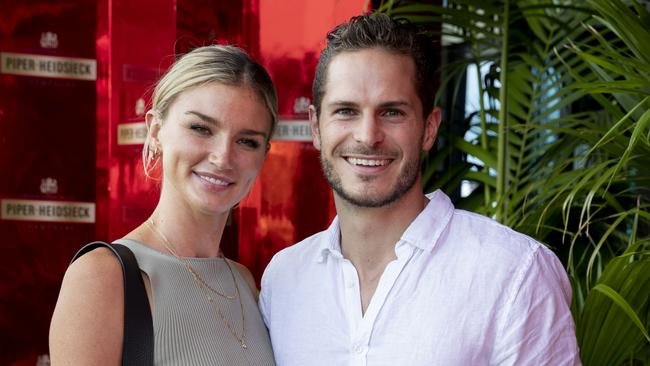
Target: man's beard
405, 181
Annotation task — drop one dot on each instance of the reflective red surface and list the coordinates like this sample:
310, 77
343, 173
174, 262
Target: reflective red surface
135, 45
66, 140
47, 130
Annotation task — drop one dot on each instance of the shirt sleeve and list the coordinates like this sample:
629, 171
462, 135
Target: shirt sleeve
264, 301
536, 325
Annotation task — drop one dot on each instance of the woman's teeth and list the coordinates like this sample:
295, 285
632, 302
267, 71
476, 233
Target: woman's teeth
214, 180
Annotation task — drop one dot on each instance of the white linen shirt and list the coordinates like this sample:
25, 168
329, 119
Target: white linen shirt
464, 290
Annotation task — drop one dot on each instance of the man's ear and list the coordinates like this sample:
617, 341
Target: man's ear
153, 127
431, 126
313, 122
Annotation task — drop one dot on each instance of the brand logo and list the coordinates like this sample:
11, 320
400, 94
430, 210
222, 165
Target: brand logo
139, 107
293, 130
301, 105
49, 40
49, 186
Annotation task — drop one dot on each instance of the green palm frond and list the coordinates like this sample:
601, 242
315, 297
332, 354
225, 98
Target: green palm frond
559, 145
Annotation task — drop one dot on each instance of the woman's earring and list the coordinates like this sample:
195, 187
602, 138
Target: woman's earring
154, 152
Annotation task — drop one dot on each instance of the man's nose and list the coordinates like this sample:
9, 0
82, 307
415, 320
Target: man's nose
369, 131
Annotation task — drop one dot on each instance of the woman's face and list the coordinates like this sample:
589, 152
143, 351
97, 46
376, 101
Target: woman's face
213, 143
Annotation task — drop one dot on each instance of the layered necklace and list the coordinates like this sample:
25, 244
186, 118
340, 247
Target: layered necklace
207, 289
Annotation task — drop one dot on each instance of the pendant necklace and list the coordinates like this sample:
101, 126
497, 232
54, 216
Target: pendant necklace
207, 289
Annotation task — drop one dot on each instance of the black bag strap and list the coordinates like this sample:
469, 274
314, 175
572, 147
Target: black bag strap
137, 349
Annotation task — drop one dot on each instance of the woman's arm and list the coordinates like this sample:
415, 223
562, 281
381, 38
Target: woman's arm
88, 321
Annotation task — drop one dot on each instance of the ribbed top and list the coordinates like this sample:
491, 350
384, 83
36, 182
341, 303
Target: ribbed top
187, 329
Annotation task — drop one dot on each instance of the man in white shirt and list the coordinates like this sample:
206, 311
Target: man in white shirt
401, 278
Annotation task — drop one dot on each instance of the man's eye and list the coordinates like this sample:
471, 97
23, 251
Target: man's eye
345, 112
200, 129
253, 144
393, 113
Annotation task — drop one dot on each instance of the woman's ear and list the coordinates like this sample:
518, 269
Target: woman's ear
153, 128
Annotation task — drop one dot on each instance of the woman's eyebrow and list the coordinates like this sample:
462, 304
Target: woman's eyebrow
204, 118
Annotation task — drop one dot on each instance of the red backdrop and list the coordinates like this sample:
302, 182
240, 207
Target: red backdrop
74, 84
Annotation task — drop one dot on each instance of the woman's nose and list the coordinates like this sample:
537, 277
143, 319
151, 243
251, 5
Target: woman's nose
221, 154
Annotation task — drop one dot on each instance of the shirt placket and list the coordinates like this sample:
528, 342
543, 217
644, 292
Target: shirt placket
361, 325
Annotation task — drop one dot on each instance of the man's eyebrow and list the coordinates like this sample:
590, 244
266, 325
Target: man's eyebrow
395, 103
388, 104
204, 117
341, 103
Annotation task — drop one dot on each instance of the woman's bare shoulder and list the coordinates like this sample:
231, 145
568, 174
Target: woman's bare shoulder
87, 324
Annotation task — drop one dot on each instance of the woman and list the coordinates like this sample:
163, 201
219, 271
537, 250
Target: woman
209, 127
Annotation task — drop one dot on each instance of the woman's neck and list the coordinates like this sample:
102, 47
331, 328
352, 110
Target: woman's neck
177, 228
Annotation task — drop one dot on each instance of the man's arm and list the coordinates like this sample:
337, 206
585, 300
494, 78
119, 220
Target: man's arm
536, 326
265, 295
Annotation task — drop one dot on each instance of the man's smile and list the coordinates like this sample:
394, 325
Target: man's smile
367, 161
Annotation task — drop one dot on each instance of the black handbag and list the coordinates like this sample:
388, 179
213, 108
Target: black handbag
137, 349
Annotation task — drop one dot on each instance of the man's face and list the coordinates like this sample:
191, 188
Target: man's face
371, 131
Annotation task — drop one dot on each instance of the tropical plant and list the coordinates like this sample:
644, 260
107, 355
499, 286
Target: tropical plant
559, 145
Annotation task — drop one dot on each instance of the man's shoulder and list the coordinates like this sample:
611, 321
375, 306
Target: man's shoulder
481, 231
492, 250
299, 253
443, 225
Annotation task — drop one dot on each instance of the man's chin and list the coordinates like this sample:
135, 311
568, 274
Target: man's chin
365, 199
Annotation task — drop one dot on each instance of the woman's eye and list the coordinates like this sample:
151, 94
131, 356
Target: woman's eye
253, 144
200, 129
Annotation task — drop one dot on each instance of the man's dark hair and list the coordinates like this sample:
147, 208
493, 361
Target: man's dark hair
380, 31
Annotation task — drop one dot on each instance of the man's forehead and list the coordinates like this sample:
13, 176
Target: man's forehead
374, 72
362, 56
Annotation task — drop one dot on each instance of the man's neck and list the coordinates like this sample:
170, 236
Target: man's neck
369, 235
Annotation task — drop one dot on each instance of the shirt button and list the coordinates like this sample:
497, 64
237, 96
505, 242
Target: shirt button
350, 284
358, 348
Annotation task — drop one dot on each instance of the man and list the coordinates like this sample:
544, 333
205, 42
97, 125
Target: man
400, 278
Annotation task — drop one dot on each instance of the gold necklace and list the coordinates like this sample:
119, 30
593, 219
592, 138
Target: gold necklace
203, 285
195, 274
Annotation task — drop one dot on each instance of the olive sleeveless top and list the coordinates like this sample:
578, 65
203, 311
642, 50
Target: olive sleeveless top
188, 330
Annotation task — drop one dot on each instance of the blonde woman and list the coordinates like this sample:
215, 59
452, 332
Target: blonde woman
212, 116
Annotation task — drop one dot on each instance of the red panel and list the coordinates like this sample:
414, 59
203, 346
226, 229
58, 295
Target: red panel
74, 132
138, 45
47, 130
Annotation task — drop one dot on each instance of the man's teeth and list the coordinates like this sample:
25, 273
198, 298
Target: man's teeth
215, 180
368, 162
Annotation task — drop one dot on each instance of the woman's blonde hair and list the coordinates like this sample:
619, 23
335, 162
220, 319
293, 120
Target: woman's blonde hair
227, 65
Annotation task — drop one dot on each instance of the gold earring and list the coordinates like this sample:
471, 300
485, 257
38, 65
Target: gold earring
153, 152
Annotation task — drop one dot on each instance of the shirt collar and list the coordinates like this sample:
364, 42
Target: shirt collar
330, 243
429, 225
422, 233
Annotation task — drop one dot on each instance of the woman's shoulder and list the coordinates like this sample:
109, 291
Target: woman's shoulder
246, 275
97, 262
97, 272
87, 320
